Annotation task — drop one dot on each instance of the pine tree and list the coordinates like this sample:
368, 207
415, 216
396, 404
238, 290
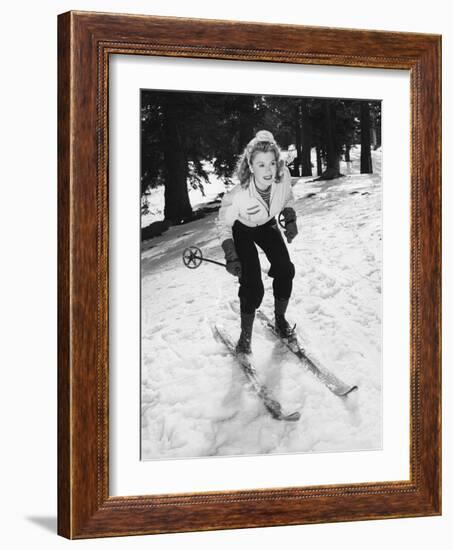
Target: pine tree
366, 166
306, 137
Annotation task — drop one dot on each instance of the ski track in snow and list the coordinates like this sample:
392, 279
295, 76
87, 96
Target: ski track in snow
196, 400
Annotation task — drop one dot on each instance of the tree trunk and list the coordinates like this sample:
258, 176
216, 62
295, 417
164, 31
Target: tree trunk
177, 204
366, 166
347, 153
245, 107
298, 131
318, 160
378, 137
333, 154
306, 140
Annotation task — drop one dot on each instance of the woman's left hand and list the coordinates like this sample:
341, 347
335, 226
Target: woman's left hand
290, 226
291, 231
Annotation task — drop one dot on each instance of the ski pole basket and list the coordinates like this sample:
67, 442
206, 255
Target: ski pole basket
193, 256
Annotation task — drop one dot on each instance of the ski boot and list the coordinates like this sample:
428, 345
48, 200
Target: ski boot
245, 339
282, 326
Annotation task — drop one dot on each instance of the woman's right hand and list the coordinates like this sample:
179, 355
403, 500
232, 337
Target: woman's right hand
233, 264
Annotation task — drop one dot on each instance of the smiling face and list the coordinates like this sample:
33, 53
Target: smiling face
264, 168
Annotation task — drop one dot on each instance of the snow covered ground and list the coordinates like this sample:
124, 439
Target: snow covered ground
195, 399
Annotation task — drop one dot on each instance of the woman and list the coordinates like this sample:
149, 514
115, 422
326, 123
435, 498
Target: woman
246, 219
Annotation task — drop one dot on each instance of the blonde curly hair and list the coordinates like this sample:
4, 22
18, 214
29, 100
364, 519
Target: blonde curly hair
263, 142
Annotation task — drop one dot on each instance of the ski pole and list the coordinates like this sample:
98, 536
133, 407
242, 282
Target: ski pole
193, 256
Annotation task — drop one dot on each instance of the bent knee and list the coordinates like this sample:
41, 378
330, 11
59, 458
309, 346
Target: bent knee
251, 297
283, 271
290, 271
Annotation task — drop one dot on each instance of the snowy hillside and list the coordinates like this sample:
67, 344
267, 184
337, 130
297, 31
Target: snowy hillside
195, 399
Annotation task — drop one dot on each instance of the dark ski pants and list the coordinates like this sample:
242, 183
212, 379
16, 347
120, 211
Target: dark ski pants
270, 240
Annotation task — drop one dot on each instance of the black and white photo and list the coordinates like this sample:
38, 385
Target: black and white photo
261, 260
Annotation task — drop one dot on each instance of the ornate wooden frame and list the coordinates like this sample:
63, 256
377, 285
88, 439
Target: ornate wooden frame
85, 41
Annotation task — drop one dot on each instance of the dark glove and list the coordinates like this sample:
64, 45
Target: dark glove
233, 265
290, 231
290, 223
289, 214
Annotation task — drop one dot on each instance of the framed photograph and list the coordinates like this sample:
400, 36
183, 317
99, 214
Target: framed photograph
249, 275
